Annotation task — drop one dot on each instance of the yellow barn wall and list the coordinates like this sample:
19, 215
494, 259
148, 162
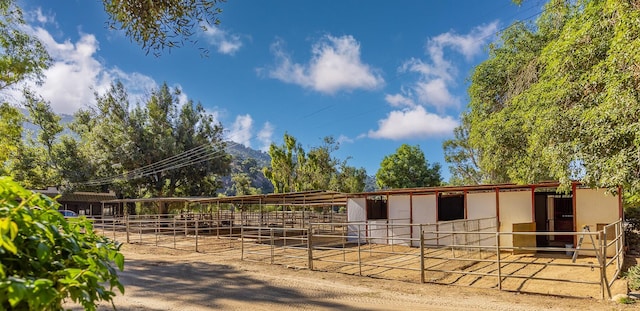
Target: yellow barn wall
515, 207
595, 206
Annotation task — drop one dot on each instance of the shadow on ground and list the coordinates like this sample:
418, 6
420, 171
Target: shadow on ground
206, 285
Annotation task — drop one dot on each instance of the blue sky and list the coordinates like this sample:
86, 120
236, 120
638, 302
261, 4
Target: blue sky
373, 74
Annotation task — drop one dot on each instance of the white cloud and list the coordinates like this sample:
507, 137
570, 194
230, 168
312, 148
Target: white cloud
468, 45
40, 17
399, 100
415, 122
225, 42
435, 92
241, 130
344, 139
438, 74
75, 74
265, 136
335, 65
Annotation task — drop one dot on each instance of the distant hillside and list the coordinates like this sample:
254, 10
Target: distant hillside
29, 127
240, 151
250, 162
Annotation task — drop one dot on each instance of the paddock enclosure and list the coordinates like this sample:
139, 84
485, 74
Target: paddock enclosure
321, 231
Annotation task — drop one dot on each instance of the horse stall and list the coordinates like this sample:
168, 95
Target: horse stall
517, 208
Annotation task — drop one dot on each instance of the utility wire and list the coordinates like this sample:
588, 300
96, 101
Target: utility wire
201, 153
190, 157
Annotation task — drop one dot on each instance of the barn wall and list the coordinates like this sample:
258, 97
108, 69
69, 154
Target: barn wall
593, 207
424, 212
515, 207
399, 218
378, 231
356, 212
481, 205
424, 209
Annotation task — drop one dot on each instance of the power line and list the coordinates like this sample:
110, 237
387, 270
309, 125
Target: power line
201, 153
190, 157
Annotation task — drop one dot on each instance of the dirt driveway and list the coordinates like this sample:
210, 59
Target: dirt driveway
159, 278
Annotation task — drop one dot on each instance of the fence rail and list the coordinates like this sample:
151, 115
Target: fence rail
463, 252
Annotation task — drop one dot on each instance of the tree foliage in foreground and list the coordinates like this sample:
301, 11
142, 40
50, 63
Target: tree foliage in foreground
294, 169
162, 24
407, 168
22, 56
559, 99
45, 259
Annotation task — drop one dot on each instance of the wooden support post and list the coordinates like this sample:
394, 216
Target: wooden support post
421, 255
196, 219
498, 260
157, 227
603, 264
102, 218
272, 245
310, 246
242, 243
127, 224
359, 256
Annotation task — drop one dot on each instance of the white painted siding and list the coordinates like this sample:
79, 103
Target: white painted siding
356, 212
515, 207
481, 205
399, 219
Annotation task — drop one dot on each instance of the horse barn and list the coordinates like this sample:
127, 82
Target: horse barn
521, 238
82, 203
515, 208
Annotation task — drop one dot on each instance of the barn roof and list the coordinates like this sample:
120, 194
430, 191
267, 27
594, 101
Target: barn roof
303, 198
333, 198
78, 196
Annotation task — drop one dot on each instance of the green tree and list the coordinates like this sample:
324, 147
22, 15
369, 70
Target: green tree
163, 148
10, 134
33, 164
242, 184
294, 169
45, 259
350, 179
284, 168
560, 99
22, 56
246, 176
46, 158
162, 24
407, 168
464, 159
318, 168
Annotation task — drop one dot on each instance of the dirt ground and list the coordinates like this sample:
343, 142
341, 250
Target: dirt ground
158, 278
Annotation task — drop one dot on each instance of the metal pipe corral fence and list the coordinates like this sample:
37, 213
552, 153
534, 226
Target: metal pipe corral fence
468, 252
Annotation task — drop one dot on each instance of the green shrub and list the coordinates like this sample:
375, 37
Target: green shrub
633, 277
45, 259
632, 216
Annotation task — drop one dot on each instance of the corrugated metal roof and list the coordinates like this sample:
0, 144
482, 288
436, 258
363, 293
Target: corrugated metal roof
79, 196
333, 198
432, 190
305, 198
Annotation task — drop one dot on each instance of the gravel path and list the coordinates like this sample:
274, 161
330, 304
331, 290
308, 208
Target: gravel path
167, 279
